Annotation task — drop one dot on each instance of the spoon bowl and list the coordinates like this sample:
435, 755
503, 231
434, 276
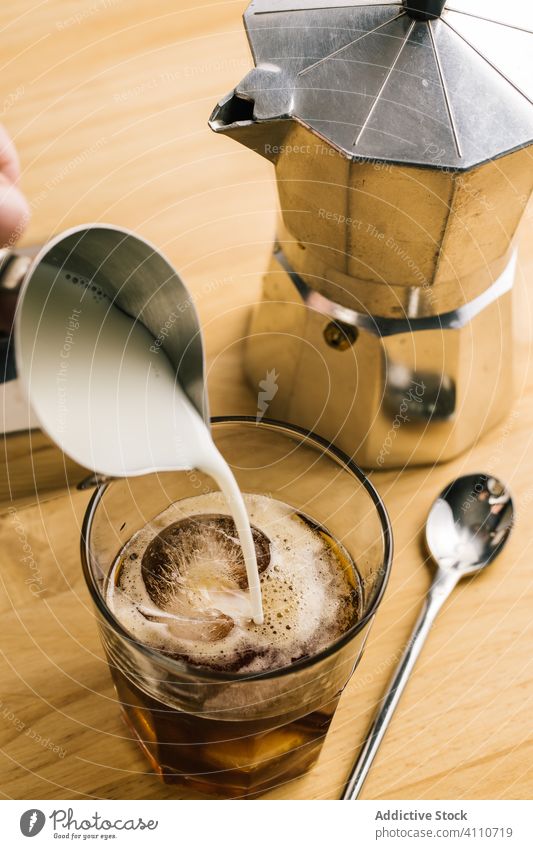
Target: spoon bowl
469, 523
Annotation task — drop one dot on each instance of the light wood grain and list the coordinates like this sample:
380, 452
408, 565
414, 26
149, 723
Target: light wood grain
109, 115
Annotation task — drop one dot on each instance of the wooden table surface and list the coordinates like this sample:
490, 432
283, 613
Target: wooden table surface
108, 104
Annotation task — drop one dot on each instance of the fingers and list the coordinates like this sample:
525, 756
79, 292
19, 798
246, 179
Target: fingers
14, 212
9, 161
14, 209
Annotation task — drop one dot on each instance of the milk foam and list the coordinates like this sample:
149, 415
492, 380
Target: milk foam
309, 595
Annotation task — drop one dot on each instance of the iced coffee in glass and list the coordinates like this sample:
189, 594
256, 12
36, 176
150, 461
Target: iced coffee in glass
218, 703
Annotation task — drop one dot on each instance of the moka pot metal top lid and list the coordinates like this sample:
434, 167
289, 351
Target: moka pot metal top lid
424, 82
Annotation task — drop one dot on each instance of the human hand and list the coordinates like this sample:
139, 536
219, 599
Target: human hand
14, 209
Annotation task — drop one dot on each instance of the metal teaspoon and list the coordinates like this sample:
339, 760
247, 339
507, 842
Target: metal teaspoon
466, 528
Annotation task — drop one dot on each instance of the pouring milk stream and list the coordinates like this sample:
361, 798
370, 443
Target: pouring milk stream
109, 396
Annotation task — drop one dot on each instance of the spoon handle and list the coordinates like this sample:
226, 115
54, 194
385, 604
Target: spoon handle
439, 591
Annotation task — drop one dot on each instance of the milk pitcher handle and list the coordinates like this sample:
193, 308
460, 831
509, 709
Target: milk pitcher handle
13, 267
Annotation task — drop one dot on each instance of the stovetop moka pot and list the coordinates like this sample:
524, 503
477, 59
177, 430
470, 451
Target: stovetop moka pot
401, 136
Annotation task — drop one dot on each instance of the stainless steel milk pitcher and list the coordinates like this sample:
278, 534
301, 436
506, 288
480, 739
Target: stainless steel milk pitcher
58, 310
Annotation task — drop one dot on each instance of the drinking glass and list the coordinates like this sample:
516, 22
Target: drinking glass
238, 734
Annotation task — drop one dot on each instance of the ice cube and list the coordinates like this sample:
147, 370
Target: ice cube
198, 554
211, 626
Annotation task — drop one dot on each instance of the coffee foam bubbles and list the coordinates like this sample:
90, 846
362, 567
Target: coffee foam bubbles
310, 597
